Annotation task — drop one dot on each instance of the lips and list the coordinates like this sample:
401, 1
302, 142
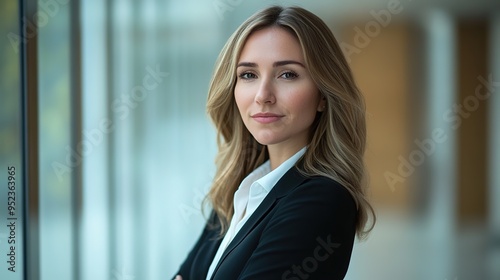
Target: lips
266, 118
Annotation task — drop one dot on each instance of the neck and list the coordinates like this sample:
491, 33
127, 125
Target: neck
279, 154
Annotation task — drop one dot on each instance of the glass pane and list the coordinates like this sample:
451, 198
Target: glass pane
57, 156
11, 181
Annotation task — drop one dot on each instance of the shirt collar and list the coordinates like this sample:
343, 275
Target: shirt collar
268, 181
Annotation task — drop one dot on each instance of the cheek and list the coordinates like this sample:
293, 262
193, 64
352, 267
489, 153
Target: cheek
240, 101
305, 102
237, 95
242, 98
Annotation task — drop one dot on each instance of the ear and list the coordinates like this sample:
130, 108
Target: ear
321, 105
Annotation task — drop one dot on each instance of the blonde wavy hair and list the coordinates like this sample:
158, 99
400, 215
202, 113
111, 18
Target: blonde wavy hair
338, 135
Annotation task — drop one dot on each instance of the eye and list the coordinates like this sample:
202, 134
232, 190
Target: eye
289, 75
247, 76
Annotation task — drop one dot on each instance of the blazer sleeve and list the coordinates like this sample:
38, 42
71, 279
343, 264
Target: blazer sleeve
198, 260
310, 236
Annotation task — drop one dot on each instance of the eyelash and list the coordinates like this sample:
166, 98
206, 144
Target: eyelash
242, 75
294, 75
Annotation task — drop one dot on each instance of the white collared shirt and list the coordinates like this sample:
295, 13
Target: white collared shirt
251, 192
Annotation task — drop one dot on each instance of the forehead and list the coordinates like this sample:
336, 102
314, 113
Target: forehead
271, 44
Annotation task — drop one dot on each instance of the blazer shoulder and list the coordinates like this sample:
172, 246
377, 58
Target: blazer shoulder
322, 189
326, 184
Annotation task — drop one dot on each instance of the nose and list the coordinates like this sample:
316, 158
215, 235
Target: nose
265, 93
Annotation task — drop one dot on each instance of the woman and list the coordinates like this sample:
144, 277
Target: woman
288, 197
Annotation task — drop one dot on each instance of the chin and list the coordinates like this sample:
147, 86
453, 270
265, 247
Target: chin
266, 141
267, 137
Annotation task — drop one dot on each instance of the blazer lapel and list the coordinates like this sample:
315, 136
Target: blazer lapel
288, 182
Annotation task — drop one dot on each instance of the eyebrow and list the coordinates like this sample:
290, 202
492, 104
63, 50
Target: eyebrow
275, 64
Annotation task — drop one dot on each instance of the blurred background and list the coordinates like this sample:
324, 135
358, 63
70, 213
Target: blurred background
118, 152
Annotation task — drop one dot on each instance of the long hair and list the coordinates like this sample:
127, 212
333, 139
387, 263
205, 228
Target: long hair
338, 137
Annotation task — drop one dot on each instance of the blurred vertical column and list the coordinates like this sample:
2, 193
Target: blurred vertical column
146, 93
97, 127
440, 29
60, 150
18, 168
83, 146
494, 148
30, 140
470, 119
121, 166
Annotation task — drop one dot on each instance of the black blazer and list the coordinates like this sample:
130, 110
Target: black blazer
303, 229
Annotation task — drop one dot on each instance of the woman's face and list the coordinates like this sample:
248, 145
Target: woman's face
275, 94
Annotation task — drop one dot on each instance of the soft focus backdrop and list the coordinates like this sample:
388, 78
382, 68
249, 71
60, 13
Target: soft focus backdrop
122, 199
